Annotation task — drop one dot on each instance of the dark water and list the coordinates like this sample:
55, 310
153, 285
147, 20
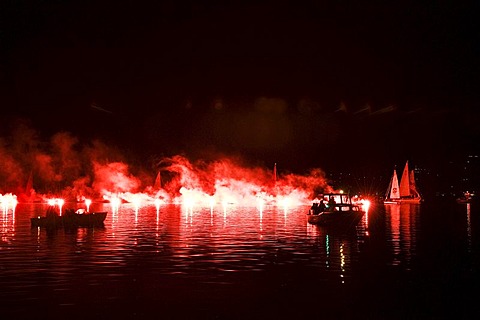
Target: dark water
400, 262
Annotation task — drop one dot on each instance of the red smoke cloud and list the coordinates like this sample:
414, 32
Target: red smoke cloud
64, 167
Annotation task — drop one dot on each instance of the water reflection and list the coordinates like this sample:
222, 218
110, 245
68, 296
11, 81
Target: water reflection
469, 229
401, 220
8, 224
201, 239
338, 249
162, 254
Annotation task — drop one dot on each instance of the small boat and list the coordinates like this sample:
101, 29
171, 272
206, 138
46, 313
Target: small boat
405, 191
466, 198
338, 211
70, 218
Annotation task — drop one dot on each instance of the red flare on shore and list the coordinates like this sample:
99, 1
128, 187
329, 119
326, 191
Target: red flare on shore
65, 169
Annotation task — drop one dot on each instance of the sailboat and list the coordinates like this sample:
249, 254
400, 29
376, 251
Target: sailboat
157, 185
405, 191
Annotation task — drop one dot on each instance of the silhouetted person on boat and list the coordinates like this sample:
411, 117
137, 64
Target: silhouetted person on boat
69, 213
321, 206
317, 208
314, 208
331, 204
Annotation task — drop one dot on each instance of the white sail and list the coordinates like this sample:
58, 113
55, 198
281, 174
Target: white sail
394, 190
406, 192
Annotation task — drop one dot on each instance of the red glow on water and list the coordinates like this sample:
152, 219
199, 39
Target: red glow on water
88, 202
366, 205
158, 202
114, 200
56, 202
8, 201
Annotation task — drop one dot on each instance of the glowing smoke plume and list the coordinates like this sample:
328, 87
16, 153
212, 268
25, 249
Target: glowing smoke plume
64, 167
226, 181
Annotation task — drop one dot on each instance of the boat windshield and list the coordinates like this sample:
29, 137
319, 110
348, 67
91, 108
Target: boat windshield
339, 198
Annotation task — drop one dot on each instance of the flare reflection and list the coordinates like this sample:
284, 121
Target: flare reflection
469, 229
401, 222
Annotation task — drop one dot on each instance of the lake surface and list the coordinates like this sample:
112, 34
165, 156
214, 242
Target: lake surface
401, 261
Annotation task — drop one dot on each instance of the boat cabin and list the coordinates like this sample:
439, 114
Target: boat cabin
336, 202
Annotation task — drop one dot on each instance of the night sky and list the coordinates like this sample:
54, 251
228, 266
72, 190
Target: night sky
305, 84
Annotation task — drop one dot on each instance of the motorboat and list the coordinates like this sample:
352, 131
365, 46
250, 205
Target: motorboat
335, 209
70, 218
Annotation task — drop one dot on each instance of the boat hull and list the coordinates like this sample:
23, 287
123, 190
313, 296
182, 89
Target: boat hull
400, 201
336, 218
71, 220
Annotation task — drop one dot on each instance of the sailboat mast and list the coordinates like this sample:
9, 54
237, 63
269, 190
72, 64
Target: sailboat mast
413, 185
389, 188
29, 186
275, 173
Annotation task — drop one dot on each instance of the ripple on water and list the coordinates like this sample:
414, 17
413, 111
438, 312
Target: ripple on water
163, 257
